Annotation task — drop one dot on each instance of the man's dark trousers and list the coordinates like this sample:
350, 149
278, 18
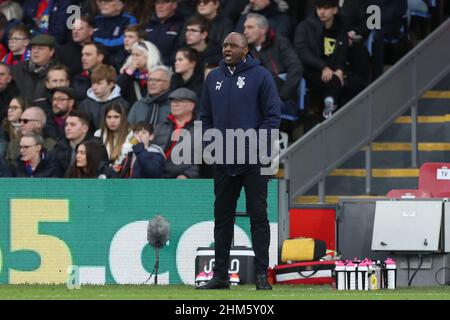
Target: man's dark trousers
227, 190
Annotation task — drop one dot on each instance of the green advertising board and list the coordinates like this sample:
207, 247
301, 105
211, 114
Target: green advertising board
52, 228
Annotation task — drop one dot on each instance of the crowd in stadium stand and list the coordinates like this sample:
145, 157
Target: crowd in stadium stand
93, 96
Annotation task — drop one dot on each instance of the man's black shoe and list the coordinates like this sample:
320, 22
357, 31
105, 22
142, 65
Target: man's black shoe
215, 283
262, 283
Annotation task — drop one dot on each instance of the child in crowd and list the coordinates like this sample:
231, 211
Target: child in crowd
146, 160
18, 45
103, 93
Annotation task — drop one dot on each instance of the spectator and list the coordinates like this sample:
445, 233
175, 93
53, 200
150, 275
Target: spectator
182, 116
146, 160
133, 34
18, 45
134, 74
277, 55
8, 89
3, 27
154, 108
164, 29
92, 55
232, 9
188, 71
12, 10
196, 37
63, 102
33, 120
322, 44
11, 124
104, 91
115, 134
57, 76
47, 17
76, 131
275, 13
221, 26
70, 53
110, 27
90, 162
34, 161
30, 76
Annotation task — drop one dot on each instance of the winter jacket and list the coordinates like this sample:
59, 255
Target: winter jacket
48, 167
5, 98
221, 26
195, 83
309, 45
81, 84
153, 110
109, 31
354, 16
128, 86
64, 152
278, 56
246, 99
163, 133
275, 12
30, 79
57, 24
165, 35
96, 108
70, 55
149, 163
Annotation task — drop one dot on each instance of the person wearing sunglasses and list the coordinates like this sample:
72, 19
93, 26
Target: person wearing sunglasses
34, 161
221, 26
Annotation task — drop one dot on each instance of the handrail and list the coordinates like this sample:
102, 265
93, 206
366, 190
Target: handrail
309, 160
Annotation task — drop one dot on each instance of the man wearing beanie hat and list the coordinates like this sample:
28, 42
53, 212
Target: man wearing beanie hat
30, 76
182, 116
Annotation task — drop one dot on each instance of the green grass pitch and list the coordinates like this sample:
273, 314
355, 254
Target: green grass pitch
245, 292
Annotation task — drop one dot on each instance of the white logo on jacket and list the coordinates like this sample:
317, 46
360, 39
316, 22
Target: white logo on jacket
241, 82
219, 85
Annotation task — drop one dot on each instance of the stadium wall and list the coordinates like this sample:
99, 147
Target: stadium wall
95, 231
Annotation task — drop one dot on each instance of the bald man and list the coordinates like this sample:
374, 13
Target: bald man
240, 94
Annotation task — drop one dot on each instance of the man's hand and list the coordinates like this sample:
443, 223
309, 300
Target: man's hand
340, 74
351, 36
327, 75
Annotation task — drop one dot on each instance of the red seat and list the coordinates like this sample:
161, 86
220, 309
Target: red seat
408, 194
445, 194
434, 179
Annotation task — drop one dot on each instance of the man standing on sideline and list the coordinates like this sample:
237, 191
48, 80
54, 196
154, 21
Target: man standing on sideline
240, 94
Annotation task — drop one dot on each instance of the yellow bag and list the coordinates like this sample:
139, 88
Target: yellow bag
302, 249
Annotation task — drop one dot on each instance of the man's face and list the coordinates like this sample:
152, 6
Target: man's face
57, 78
158, 82
30, 122
110, 8
17, 42
257, 5
5, 78
130, 38
41, 55
165, 9
207, 7
234, 49
82, 32
253, 33
326, 14
75, 130
181, 108
62, 104
29, 149
102, 89
194, 35
90, 57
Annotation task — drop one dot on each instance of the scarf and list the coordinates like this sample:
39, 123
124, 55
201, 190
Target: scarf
43, 15
141, 77
12, 60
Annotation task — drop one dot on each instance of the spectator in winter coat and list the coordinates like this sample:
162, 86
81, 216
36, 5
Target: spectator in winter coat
63, 102
188, 71
277, 55
154, 108
182, 116
10, 130
164, 29
70, 53
8, 89
30, 76
110, 27
18, 45
47, 17
103, 92
134, 74
221, 26
275, 13
146, 160
92, 55
34, 161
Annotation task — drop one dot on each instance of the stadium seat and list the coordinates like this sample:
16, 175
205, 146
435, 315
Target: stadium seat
408, 194
434, 177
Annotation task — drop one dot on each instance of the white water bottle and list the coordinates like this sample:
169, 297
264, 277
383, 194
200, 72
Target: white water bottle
350, 270
391, 274
363, 276
340, 275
